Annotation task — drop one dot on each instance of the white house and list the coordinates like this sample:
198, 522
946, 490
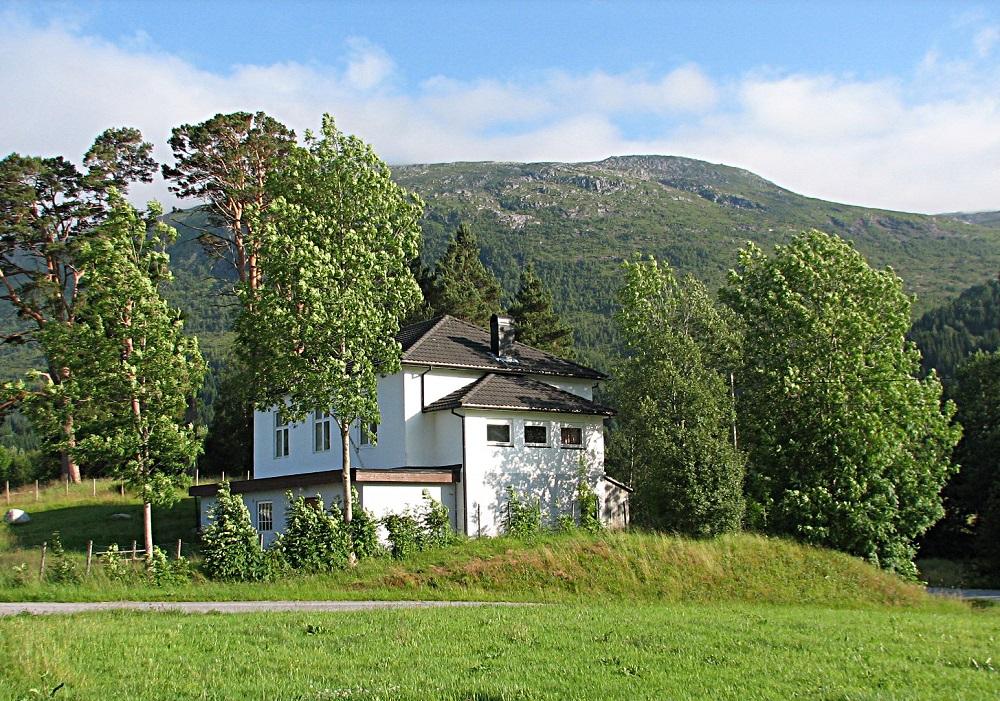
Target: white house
470, 413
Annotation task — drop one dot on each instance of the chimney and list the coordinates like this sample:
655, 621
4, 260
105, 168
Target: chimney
502, 336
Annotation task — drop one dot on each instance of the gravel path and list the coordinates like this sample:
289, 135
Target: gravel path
981, 594
40, 608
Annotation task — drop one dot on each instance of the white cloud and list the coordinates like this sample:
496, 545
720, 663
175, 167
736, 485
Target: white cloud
985, 39
927, 142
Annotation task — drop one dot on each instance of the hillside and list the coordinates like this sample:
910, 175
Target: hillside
950, 333
577, 221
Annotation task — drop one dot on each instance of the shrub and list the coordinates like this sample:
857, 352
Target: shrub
404, 534
63, 570
116, 567
161, 571
586, 501
314, 539
434, 524
363, 529
230, 545
523, 520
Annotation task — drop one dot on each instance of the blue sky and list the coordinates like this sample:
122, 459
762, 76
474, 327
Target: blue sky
885, 104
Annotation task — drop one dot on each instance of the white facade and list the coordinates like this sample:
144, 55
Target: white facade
541, 458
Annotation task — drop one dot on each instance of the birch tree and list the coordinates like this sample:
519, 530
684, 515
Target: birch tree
134, 368
335, 248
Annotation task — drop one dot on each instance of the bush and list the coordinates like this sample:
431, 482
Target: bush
230, 545
162, 571
364, 530
586, 501
63, 570
314, 539
523, 520
404, 534
434, 524
116, 567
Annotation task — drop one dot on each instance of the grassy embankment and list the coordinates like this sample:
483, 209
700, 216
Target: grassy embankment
630, 616
613, 566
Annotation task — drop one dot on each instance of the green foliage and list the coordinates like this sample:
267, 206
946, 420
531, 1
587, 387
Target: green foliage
404, 534
847, 448
949, 334
523, 520
586, 502
133, 367
675, 406
363, 530
116, 566
461, 285
435, 526
314, 539
537, 323
62, 570
161, 571
230, 544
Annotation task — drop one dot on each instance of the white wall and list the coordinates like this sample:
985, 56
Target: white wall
379, 499
548, 473
390, 450
580, 387
435, 438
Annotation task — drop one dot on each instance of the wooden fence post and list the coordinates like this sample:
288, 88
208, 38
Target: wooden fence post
123, 489
179, 543
90, 555
196, 477
248, 475
223, 475
41, 567
134, 557
67, 485
6, 490
95, 486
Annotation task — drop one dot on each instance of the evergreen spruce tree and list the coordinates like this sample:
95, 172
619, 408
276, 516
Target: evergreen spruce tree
462, 286
536, 322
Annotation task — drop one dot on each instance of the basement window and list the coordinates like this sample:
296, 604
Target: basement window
265, 516
571, 437
498, 434
535, 435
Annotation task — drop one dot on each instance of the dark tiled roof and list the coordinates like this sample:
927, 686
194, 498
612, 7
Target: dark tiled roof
451, 342
516, 392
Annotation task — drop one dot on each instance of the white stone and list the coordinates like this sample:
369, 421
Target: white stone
16, 516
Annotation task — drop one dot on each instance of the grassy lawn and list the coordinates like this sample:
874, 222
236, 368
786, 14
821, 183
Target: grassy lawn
586, 651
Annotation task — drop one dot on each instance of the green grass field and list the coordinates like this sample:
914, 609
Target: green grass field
596, 650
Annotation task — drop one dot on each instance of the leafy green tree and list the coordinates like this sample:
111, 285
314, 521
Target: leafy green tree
336, 244
47, 207
134, 369
226, 161
461, 285
975, 492
230, 544
847, 448
537, 324
675, 405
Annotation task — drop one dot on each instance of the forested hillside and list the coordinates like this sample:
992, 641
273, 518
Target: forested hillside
948, 334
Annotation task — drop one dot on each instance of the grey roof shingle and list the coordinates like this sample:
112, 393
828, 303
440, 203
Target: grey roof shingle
450, 342
516, 392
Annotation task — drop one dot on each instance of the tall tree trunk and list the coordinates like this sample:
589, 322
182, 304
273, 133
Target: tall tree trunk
345, 451
70, 468
147, 530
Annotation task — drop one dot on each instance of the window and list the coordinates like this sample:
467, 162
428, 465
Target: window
571, 437
369, 433
265, 516
498, 434
280, 435
536, 435
321, 435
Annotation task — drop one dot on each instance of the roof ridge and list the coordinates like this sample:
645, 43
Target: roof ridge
426, 333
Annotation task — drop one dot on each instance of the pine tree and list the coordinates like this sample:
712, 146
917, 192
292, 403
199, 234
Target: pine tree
536, 322
462, 286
